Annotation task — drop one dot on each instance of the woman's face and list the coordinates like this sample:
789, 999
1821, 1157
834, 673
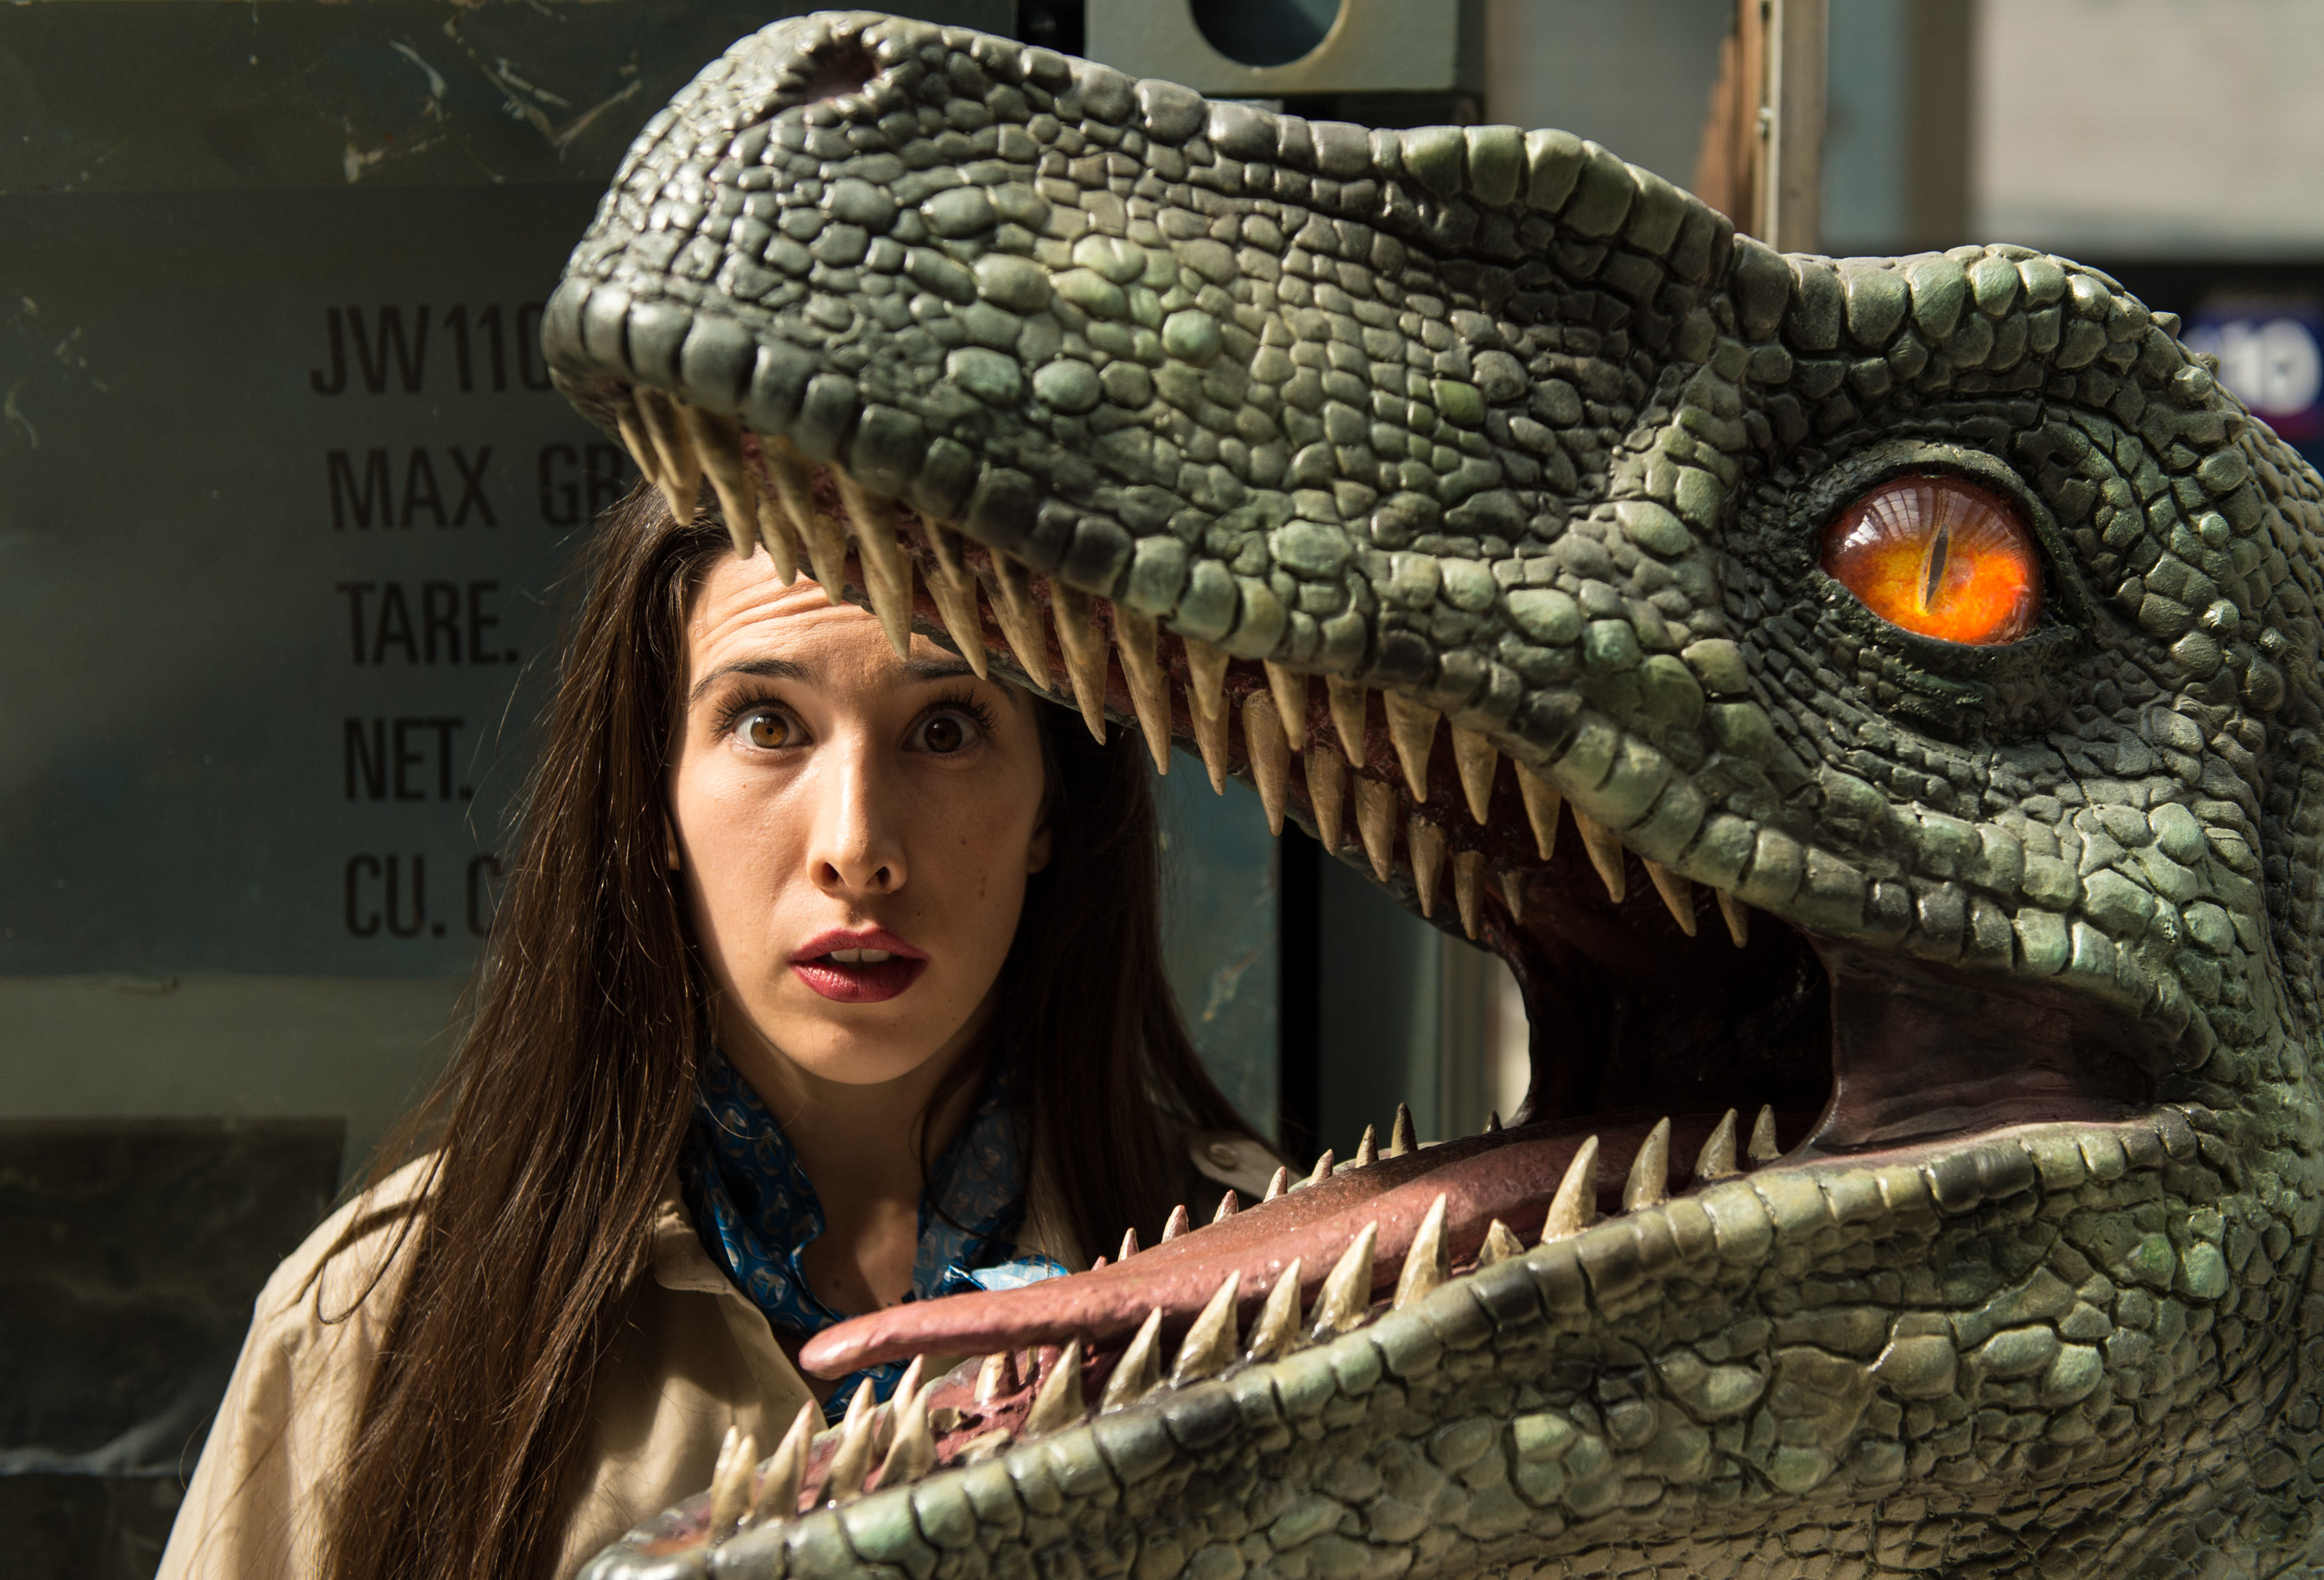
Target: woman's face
854, 830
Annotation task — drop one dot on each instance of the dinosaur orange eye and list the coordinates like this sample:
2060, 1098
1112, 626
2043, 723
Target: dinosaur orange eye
1941, 557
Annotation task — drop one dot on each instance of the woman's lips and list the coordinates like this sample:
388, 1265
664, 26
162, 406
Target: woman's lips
858, 966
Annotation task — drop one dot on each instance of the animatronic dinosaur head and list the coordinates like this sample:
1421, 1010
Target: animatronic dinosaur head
1922, 649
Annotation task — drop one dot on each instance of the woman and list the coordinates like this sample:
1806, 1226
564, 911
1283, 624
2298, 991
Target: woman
825, 979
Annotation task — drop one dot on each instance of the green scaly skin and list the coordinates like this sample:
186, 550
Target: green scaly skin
1493, 420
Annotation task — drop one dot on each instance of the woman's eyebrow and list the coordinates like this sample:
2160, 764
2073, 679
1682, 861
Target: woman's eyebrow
766, 668
926, 669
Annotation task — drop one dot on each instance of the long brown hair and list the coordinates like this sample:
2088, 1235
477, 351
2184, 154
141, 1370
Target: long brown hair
561, 1115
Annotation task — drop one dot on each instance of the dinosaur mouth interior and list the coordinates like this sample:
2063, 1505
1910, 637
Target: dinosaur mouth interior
1678, 1037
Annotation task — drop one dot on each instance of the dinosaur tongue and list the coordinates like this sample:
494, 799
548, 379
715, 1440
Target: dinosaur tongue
1511, 1176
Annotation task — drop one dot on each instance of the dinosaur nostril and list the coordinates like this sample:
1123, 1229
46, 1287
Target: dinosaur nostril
838, 69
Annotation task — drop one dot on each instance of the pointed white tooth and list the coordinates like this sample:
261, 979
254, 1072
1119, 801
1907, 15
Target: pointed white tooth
993, 1378
954, 592
1058, 1404
1346, 1295
1500, 1244
631, 420
1206, 676
1134, 637
1513, 891
719, 443
1269, 754
1649, 1181
681, 469
1738, 916
1541, 803
782, 541
1367, 1149
1278, 1327
887, 569
1717, 1161
1129, 1245
852, 1461
1228, 1205
1279, 1184
1423, 841
1347, 702
823, 540
1492, 1123
1084, 651
1677, 893
1323, 1168
1605, 855
1139, 1371
1018, 615
779, 1489
730, 1482
1763, 1148
1400, 1138
913, 1453
1327, 792
1468, 888
1425, 1266
1290, 689
1210, 739
1177, 1224
1574, 1207
1411, 729
1477, 757
1211, 1343
1376, 821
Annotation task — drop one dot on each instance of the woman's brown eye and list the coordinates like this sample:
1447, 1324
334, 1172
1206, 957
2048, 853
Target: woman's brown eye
1941, 557
766, 729
944, 734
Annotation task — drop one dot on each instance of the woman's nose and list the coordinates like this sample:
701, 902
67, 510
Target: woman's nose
857, 847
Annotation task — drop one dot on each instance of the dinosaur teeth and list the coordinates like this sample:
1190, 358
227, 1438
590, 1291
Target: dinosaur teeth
1209, 737
954, 592
1541, 803
992, 1377
1327, 792
1400, 1138
1058, 1404
730, 1482
631, 426
825, 547
1468, 877
852, 1461
1763, 1148
1176, 1223
1280, 1183
1347, 1292
1019, 618
1737, 915
887, 570
782, 538
1269, 752
1605, 855
1513, 889
1677, 894
1129, 1245
1492, 1123
1290, 688
1574, 1207
1323, 1168
1717, 1158
1210, 1345
1278, 1327
681, 474
1426, 1267
1412, 730
1478, 759
1084, 651
719, 443
1425, 842
1649, 1181
1228, 1205
913, 1454
1500, 1244
1346, 698
1206, 679
1375, 823
779, 1489
1134, 637
1367, 1149
1139, 1371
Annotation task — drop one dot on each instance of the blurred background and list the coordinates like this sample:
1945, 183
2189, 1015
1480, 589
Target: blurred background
286, 508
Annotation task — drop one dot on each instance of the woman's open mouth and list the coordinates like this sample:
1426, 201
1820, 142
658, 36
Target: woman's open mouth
859, 968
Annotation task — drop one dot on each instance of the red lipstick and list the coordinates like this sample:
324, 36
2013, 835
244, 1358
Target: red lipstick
835, 965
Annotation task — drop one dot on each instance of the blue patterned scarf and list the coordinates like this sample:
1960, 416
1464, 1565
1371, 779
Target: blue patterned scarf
757, 1212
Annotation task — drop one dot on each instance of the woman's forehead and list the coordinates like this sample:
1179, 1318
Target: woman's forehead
741, 611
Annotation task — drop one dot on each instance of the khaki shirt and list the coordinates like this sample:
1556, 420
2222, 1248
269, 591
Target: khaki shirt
693, 1358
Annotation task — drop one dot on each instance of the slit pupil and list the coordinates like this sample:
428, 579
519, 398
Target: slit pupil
1940, 550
